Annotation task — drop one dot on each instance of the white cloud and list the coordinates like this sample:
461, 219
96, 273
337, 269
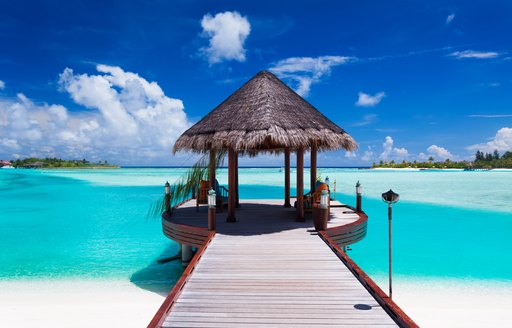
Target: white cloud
350, 154
368, 155
392, 153
502, 141
490, 115
130, 121
227, 32
450, 18
367, 119
366, 100
2, 85
474, 54
305, 71
439, 153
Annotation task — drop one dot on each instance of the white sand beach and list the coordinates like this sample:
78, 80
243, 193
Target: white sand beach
76, 304
122, 304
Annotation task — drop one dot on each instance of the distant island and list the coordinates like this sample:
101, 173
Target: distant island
53, 163
485, 161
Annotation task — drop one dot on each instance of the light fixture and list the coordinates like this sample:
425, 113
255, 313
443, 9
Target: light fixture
212, 198
324, 199
167, 188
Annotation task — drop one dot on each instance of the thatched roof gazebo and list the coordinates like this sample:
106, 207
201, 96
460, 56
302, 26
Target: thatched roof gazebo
265, 115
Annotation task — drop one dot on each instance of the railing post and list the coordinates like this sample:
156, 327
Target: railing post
212, 200
359, 191
167, 199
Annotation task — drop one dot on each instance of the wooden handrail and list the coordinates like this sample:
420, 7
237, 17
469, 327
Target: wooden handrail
171, 299
395, 312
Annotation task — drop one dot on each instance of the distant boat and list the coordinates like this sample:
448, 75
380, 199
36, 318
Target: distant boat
7, 167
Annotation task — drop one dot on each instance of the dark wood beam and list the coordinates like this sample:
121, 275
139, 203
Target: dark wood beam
300, 185
231, 186
212, 169
287, 178
313, 168
236, 181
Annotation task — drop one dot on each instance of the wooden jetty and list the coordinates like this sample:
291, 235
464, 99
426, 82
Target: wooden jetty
262, 264
268, 270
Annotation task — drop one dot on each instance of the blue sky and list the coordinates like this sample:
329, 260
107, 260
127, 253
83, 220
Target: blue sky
120, 80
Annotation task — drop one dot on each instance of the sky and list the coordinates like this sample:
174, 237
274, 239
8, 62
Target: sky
121, 80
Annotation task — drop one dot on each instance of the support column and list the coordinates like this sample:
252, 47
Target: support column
186, 255
231, 186
236, 181
300, 185
313, 168
287, 178
211, 168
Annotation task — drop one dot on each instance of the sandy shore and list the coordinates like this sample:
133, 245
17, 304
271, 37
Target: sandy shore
456, 303
76, 304
121, 304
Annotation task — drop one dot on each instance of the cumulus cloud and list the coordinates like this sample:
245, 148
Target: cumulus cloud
392, 153
305, 71
227, 32
2, 85
502, 141
474, 54
129, 121
439, 153
366, 100
450, 19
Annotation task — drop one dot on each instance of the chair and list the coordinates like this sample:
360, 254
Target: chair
313, 199
202, 194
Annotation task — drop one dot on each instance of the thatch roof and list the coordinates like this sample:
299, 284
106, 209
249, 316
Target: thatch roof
264, 115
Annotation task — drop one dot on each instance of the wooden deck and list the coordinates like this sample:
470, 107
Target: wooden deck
266, 270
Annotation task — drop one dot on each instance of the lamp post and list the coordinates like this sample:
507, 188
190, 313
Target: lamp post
167, 199
212, 200
359, 191
390, 197
324, 209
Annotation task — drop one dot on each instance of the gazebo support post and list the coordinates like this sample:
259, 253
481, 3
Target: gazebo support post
211, 168
287, 178
231, 186
300, 185
313, 168
236, 181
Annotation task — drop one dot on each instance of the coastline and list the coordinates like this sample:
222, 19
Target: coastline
107, 303
74, 303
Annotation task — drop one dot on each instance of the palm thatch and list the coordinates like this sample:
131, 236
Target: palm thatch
264, 115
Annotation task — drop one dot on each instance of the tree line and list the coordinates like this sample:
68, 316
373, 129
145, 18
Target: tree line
53, 162
482, 161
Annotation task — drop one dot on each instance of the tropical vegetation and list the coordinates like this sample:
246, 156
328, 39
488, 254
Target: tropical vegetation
482, 161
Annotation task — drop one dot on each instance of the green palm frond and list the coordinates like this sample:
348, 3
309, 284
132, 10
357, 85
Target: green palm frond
184, 187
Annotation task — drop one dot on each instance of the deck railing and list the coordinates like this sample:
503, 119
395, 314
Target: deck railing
173, 296
338, 237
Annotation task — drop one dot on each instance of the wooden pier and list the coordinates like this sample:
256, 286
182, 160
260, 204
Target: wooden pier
267, 270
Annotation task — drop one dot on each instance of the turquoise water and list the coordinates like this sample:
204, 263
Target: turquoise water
91, 224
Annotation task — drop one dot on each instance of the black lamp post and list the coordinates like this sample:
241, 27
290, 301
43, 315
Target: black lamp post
390, 197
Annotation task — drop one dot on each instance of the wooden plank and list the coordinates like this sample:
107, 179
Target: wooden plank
267, 270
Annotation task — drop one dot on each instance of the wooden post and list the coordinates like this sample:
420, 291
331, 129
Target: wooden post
211, 218
212, 169
231, 186
300, 185
287, 178
236, 181
313, 168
